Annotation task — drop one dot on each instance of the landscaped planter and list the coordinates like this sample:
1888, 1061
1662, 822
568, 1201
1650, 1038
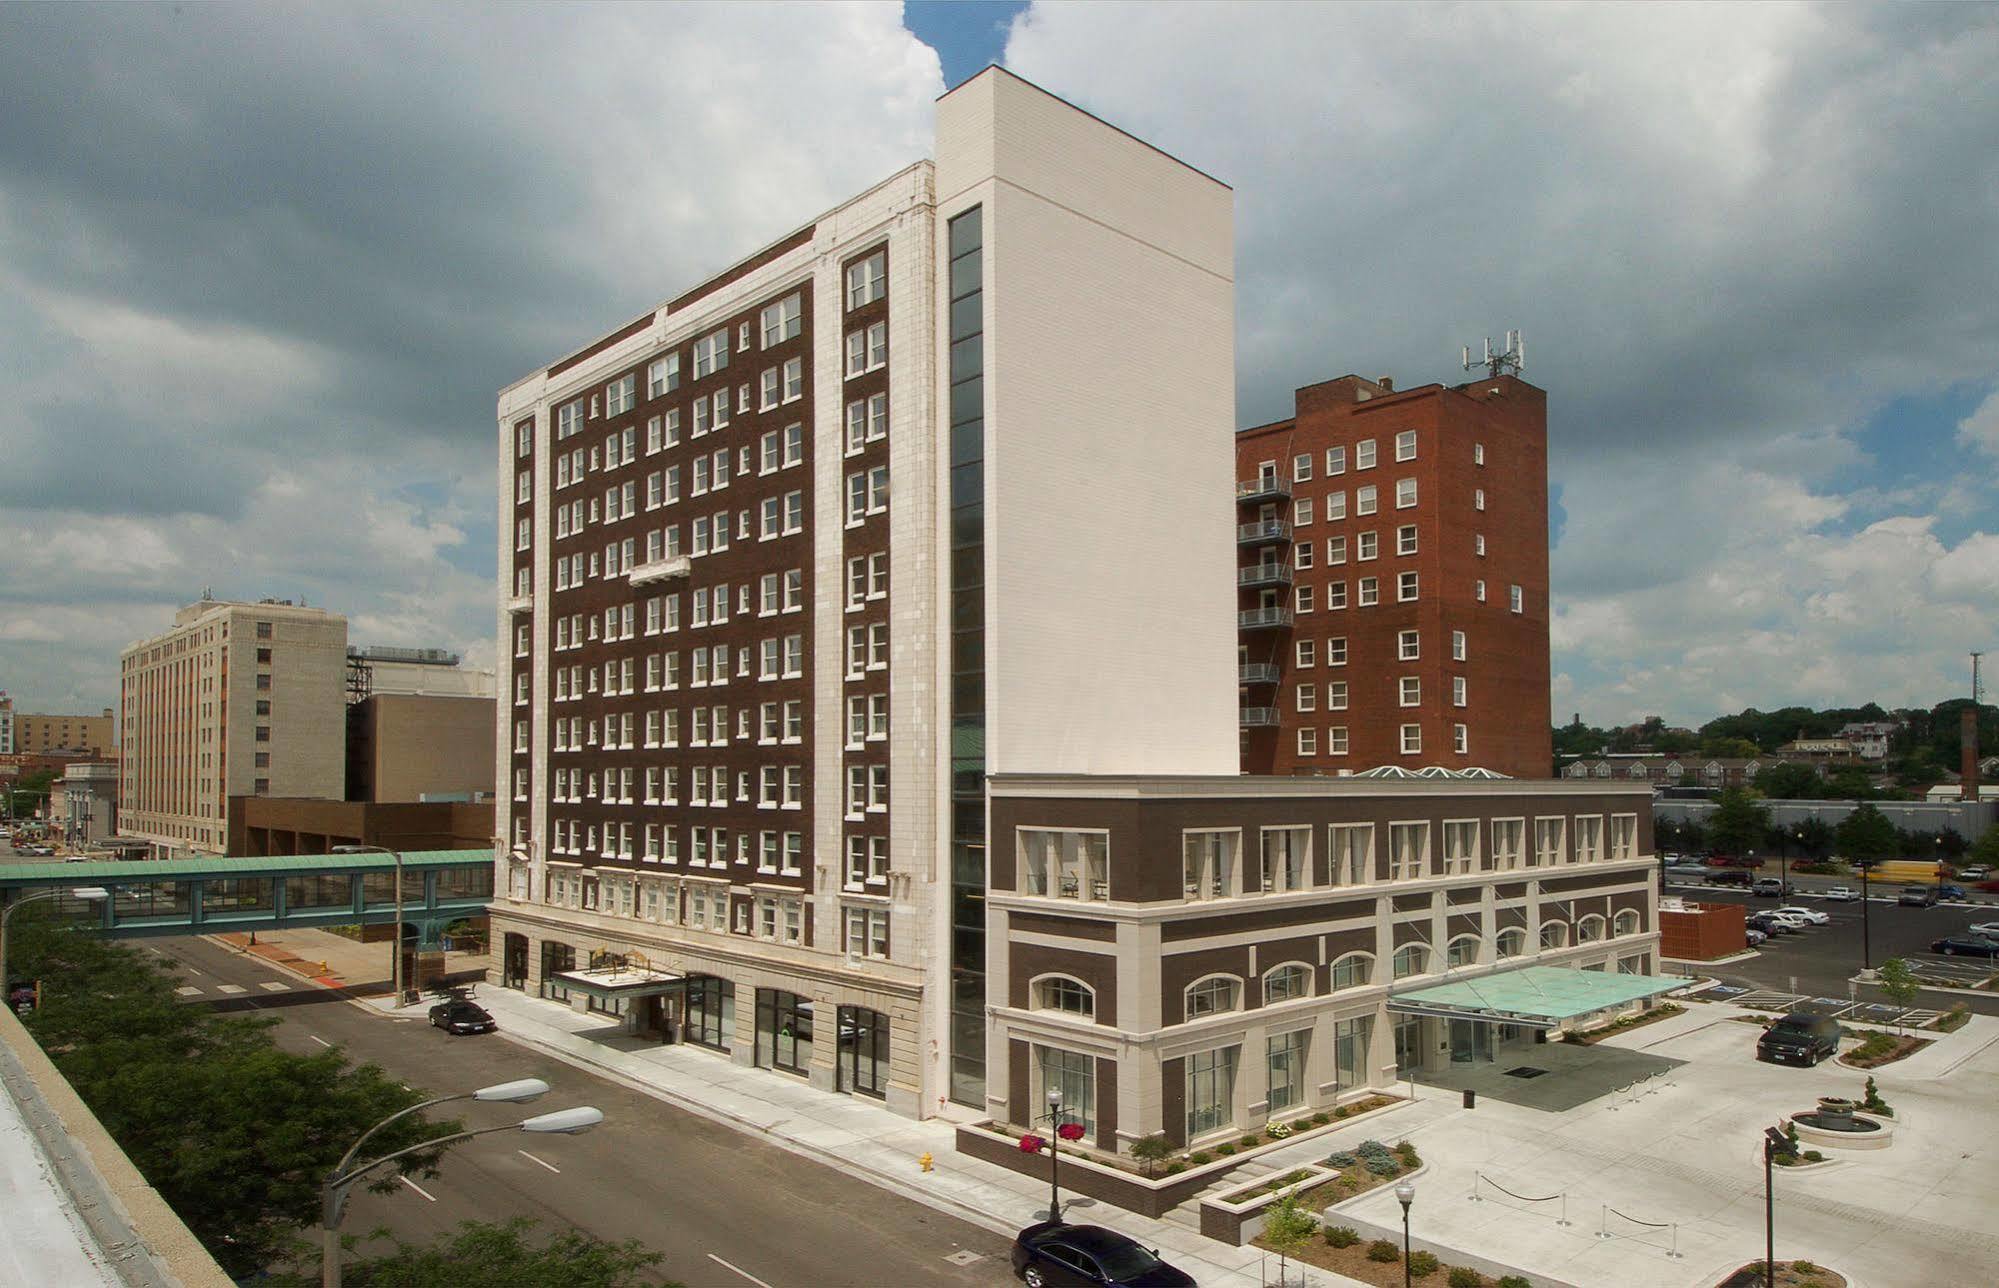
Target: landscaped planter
1148, 1196
1235, 1215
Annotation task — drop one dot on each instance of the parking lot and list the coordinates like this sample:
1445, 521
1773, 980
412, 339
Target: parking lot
1818, 962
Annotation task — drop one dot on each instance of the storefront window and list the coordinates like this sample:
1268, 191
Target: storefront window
784, 1031
1350, 1051
1211, 1090
1287, 1070
862, 1053
1074, 1075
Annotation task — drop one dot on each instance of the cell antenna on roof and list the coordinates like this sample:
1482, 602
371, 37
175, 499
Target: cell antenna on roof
1510, 360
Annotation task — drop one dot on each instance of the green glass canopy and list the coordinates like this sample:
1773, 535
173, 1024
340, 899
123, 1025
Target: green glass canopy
1538, 996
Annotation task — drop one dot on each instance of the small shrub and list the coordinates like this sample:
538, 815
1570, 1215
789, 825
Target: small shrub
1465, 1277
1813, 1156
1341, 1112
1407, 1153
1786, 1160
1422, 1264
1175, 1168
1955, 1018
1225, 1150
1344, 1158
1804, 1267
1277, 1130
1514, 1281
1384, 1251
1199, 1157
1319, 1119
1342, 1236
1249, 1142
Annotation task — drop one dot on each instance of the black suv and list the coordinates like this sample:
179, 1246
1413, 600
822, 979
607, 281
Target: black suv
1799, 1039
1055, 1253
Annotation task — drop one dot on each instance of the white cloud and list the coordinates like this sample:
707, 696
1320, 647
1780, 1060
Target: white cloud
1980, 430
1700, 217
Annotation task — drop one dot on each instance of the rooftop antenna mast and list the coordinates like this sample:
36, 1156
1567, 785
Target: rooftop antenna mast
1510, 360
1977, 685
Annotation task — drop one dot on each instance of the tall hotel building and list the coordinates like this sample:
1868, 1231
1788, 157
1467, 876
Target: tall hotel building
794, 561
237, 699
1392, 580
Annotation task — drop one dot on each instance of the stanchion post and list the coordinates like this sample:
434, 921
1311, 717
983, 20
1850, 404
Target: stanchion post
1603, 1223
1563, 1219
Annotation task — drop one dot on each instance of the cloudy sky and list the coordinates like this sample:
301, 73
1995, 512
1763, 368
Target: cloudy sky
263, 270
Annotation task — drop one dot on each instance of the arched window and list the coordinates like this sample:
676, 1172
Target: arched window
1589, 929
1626, 922
1554, 934
1213, 995
1353, 971
1411, 959
1510, 943
1286, 982
1061, 993
1462, 951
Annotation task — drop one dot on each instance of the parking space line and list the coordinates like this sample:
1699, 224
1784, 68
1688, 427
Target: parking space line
738, 1270
316, 1038
532, 1159
412, 1184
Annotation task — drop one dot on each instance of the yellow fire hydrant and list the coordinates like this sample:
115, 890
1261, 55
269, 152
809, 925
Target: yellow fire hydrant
924, 1161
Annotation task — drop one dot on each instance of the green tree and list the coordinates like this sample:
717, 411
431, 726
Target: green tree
1952, 843
1865, 836
1739, 822
488, 1255
1900, 985
234, 1133
1850, 783
1286, 1227
1986, 851
1739, 748
1149, 1150
1790, 782
1813, 837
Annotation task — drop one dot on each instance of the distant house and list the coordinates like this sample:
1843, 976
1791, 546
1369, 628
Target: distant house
1671, 770
1869, 738
1816, 749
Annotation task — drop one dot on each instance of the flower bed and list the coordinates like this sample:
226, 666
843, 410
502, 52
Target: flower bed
1877, 1049
1666, 1011
1790, 1274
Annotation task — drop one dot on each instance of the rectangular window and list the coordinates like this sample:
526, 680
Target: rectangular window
1457, 690
1287, 859
711, 354
1460, 846
1307, 700
1352, 853
1336, 550
1478, 590
1369, 591
1457, 646
663, 376
1064, 865
1405, 445
1301, 511
1405, 587
1336, 695
1411, 689
782, 321
1405, 493
1478, 544
1306, 652
1368, 546
867, 281
1208, 860
1478, 498
620, 395
1589, 839
1336, 505
1514, 599
1211, 1090
1412, 740
1364, 500
1408, 851
1301, 468
1308, 742
1461, 739
1336, 595
1405, 540
1336, 651
1286, 1068
1363, 454
1408, 646
1304, 594
1336, 460
1508, 842
1548, 838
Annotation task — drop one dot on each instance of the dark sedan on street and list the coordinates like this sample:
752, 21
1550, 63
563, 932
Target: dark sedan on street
461, 1016
1966, 946
1055, 1254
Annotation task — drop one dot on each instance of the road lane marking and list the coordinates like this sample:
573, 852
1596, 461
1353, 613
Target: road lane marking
532, 1159
433, 1198
739, 1270
230, 988
316, 1038
275, 986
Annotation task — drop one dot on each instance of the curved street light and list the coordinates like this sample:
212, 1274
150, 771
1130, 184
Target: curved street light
333, 1190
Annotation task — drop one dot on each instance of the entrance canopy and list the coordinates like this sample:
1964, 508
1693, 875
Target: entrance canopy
611, 983
1536, 996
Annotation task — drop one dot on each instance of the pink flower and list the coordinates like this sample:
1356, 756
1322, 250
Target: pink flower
1031, 1144
1070, 1131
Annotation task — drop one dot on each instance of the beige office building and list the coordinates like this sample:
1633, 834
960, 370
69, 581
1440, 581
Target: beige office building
39, 734
237, 699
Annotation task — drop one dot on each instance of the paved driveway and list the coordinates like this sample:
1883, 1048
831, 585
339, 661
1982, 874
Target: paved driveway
1676, 1165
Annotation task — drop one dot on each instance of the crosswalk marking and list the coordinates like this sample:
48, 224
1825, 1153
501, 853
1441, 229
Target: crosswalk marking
275, 986
230, 988
188, 990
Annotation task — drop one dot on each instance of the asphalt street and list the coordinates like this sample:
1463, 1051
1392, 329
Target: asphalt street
1823, 958
724, 1208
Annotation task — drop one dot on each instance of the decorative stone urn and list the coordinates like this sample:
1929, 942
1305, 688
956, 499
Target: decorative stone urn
1835, 1111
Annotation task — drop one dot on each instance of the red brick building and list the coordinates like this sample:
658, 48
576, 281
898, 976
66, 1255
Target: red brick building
1393, 580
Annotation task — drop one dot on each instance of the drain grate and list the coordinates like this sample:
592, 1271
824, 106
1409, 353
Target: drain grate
1525, 1071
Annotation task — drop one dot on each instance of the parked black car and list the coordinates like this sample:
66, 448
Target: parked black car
1966, 946
460, 1016
1055, 1254
1728, 876
1799, 1039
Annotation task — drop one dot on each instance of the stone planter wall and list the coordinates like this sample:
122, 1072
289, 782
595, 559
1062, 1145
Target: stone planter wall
1233, 1216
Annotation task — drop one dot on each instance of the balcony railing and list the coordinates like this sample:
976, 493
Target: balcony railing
661, 569
1264, 574
1257, 673
1259, 717
1263, 488
1262, 532
1251, 619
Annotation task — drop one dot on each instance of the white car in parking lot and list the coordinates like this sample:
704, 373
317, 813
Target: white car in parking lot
1793, 918
1989, 929
1839, 894
1811, 916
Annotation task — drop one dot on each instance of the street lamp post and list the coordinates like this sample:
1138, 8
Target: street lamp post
1775, 1143
1054, 1146
333, 1190
90, 894
1406, 1194
396, 965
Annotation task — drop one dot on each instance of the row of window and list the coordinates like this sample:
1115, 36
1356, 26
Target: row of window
773, 853
1409, 693
1367, 594
777, 723
1409, 738
777, 786
1408, 648
1075, 863
705, 905
1366, 501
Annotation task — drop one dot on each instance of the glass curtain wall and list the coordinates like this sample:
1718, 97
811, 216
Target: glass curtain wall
968, 659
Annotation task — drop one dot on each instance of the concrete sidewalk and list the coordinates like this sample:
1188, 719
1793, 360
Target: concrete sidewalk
335, 961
